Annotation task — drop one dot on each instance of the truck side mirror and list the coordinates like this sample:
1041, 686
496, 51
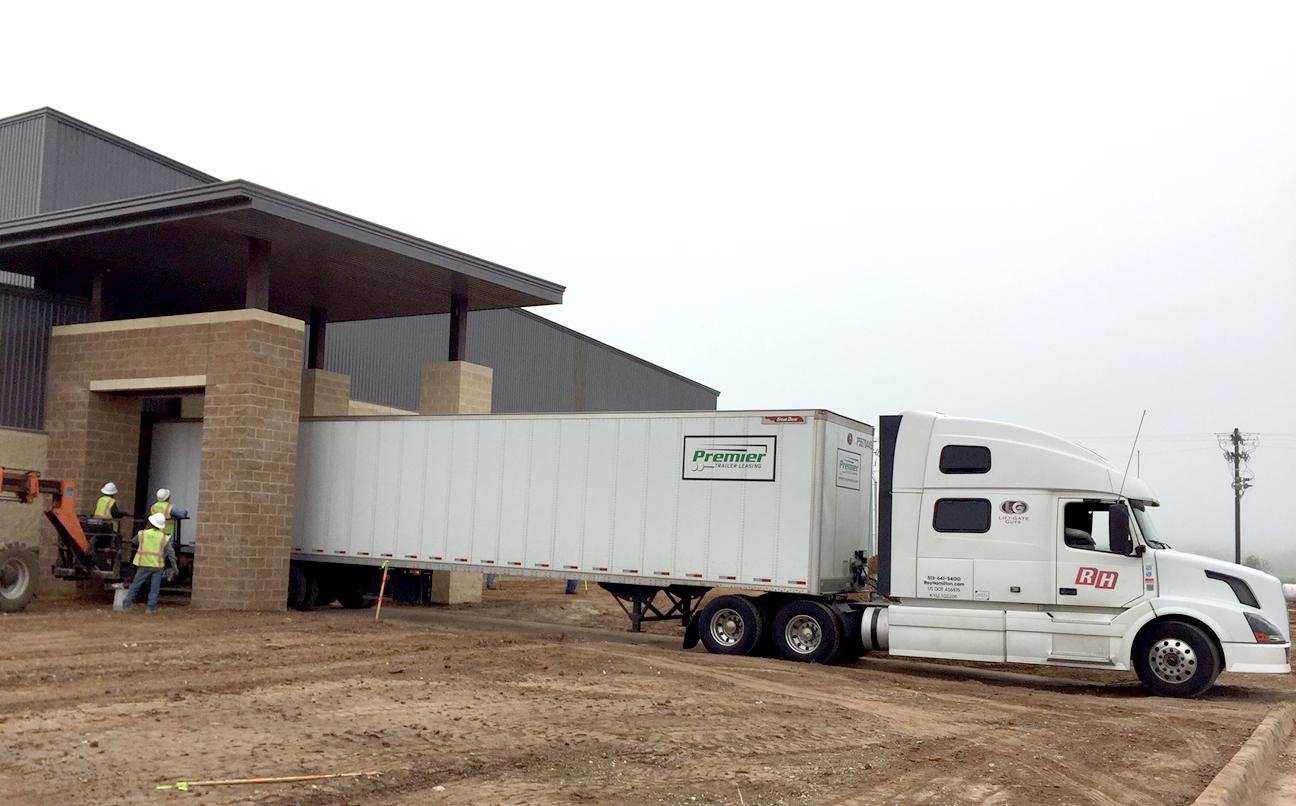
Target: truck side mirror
1118, 531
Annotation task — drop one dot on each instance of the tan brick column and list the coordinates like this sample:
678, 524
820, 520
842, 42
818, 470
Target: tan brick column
249, 460
455, 387
325, 394
93, 437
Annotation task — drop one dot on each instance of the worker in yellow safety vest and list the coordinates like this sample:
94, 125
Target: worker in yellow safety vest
151, 558
106, 506
163, 507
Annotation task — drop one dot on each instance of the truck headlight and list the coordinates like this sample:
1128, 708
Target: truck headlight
1264, 631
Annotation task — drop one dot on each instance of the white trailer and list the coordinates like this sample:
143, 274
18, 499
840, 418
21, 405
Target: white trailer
644, 503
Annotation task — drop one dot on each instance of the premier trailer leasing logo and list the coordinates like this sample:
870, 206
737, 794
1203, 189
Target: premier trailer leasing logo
729, 458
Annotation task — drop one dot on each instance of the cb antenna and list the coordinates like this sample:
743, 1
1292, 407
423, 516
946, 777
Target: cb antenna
1131, 456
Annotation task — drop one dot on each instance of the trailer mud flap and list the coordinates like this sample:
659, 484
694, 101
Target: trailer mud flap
691, 636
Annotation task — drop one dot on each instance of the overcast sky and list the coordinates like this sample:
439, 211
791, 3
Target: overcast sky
1051, 215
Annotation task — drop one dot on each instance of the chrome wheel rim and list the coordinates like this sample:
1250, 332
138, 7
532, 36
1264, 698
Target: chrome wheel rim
727, 626
14, 578
803, 634
1172, 660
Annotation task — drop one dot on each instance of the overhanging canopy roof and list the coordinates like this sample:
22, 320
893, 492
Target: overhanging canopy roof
187, 250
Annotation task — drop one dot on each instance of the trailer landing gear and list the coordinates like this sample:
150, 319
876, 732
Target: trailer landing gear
639, 604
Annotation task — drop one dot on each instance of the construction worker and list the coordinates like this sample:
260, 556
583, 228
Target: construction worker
163, 507
106, 506
151, 558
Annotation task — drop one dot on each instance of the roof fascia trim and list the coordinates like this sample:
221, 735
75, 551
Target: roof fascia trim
237, 193
304, 212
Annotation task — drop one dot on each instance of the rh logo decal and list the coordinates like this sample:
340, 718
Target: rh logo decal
1096, 577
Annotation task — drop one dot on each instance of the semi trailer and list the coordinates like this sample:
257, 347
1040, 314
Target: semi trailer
994, 542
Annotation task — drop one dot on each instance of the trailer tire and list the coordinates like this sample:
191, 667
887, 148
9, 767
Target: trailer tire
808, 631
352, 597
327, 590
310, 599
731, 625
296, 587
1176, 659
17, 577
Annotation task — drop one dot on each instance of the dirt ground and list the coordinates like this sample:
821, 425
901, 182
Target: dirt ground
537, 697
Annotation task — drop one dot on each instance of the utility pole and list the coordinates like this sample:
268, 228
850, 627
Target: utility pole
1241, 446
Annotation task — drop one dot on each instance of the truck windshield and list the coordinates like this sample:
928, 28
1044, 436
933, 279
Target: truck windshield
1146, 526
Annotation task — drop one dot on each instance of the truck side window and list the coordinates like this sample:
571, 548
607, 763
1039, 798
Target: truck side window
962, 515
965, 459
1085, 526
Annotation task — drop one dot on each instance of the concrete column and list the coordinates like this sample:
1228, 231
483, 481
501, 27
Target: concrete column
96, 313
455, 387
325, 394
257, 293
458, 348
316, 339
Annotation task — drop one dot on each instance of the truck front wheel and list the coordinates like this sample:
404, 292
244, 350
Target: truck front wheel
1176, 659
731, 625
808, 631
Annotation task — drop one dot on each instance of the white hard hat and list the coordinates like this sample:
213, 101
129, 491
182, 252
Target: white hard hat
158, 520
164, 494
109, 489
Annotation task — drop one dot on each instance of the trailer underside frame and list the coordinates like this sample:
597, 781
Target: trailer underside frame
639, 602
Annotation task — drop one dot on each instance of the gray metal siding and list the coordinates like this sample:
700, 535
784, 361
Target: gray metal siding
539, 366
25, 321
21, 144
83, 168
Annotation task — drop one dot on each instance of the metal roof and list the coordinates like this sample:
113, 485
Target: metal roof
108, 137
185, 250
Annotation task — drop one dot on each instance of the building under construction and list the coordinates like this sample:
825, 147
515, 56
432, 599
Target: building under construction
137, 291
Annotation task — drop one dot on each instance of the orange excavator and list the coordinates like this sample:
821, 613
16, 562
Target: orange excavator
88, 547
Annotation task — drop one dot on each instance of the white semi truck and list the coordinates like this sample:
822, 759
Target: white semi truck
994, 542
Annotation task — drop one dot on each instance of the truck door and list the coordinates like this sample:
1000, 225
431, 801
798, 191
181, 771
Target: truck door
1088, 572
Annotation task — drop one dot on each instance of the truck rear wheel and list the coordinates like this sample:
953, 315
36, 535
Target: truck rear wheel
731, 625
17, 577
1176, 659
353, 597
311, 594
296, 587
808, 631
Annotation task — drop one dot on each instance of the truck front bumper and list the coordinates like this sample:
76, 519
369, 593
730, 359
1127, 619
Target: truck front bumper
1257, 658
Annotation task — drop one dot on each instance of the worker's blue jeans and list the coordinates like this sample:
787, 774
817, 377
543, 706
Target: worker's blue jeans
151, 576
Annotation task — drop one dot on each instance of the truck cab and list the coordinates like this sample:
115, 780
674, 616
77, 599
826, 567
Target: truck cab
1003, 544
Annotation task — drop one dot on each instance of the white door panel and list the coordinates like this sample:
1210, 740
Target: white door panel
1093, 577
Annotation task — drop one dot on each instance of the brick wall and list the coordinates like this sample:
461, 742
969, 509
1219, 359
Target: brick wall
251, 361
